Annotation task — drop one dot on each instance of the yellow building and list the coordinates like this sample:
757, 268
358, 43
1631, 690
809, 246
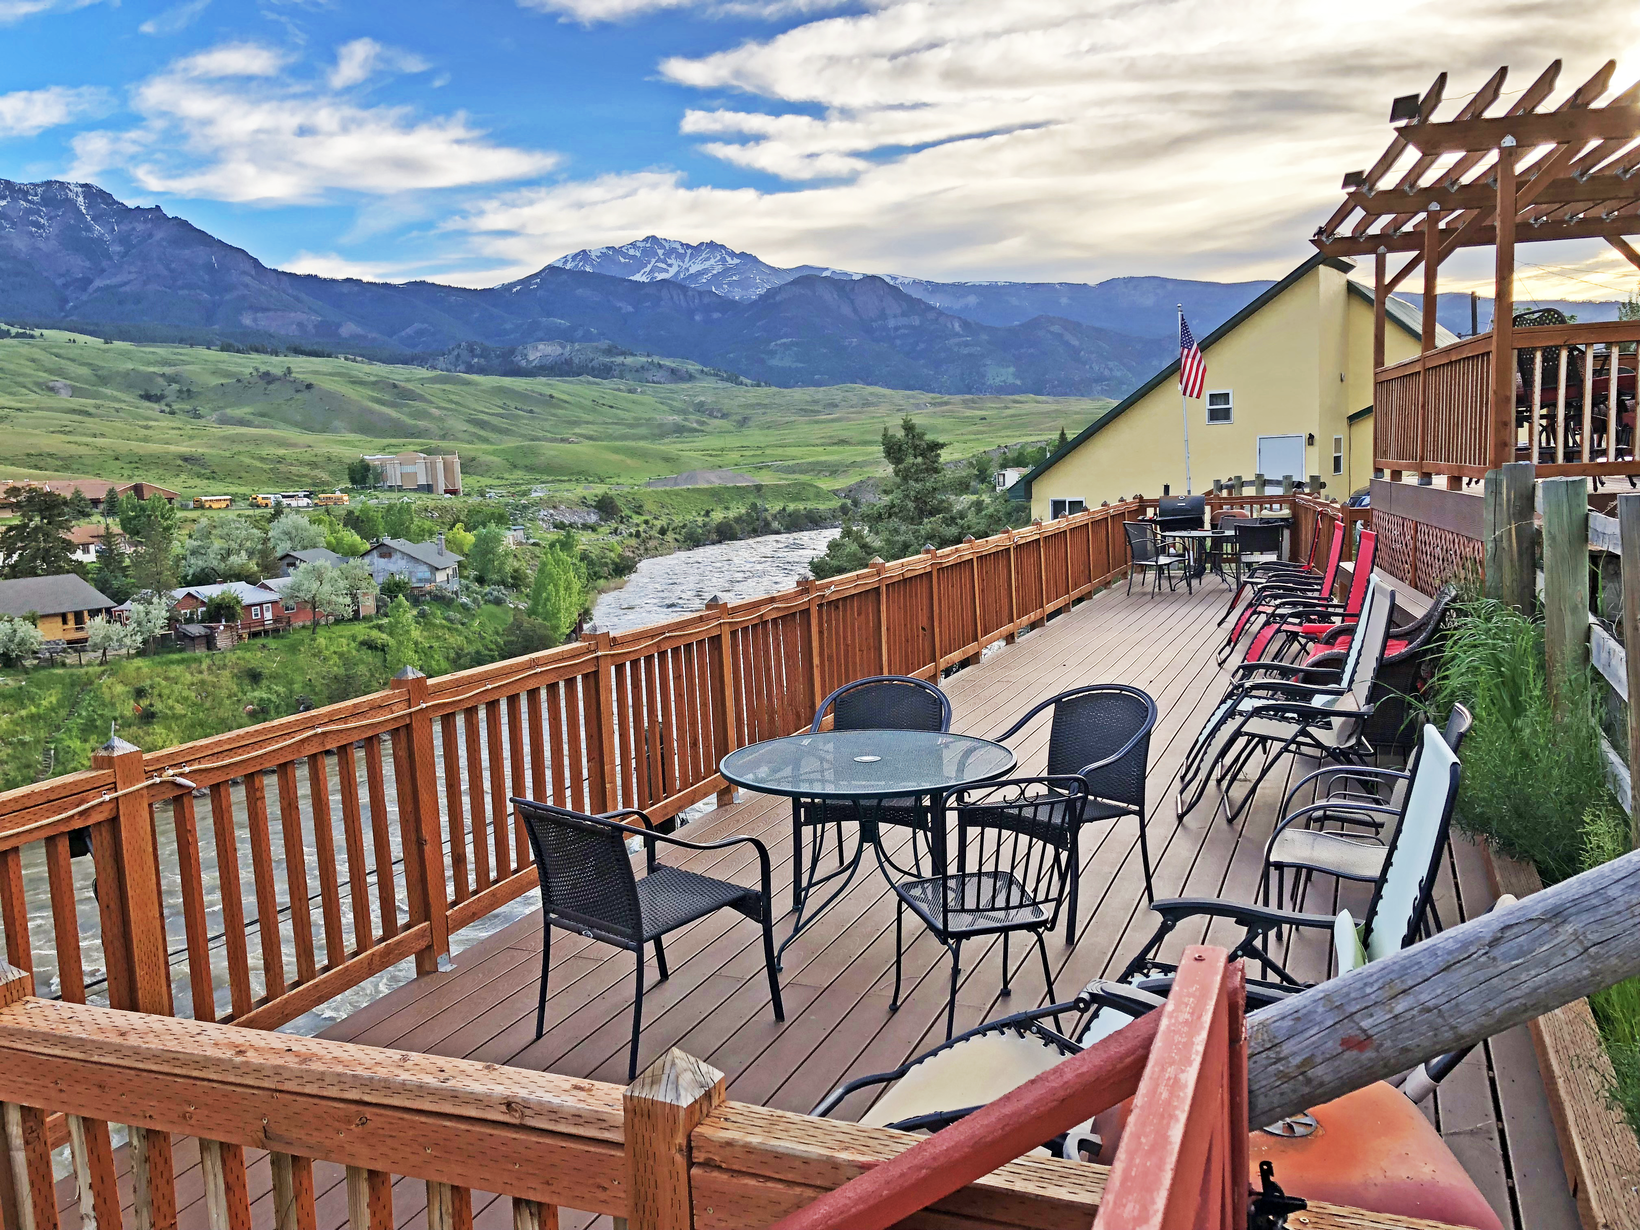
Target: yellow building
61, 606
1288, 391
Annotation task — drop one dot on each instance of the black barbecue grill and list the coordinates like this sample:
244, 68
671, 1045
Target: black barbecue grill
1181, 512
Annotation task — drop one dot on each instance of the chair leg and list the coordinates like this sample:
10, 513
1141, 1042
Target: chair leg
660, 959
1144, 858
1006, 989
546, 958
770, 963
637, 1022
899, 931
797, 855
1075, 872
1047, 977
951, 1004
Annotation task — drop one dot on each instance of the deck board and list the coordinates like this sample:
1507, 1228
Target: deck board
839, 974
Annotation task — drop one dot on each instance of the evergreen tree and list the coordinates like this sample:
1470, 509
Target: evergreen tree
359, 473
35, 543
365, 520
1064, 442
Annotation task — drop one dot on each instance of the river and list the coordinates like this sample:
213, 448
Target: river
668, 586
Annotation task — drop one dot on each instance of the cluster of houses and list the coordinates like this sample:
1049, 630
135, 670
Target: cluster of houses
63, 606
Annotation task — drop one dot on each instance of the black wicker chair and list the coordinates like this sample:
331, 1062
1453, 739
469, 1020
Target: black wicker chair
1145, 551
882, 702
588, 887
1100, 733
1007, 872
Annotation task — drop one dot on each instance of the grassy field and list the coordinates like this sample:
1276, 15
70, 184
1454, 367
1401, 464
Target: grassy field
207, 422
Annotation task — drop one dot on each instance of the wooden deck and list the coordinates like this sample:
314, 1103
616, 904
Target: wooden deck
838, 975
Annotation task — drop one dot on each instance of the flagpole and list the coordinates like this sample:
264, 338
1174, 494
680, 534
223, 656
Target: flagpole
1184, 409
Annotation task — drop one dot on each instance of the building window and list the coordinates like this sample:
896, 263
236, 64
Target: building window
1219, 408
1058, 508
1338, 454
289, 606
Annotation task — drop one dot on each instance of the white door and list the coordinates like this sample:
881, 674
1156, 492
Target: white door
1279, 456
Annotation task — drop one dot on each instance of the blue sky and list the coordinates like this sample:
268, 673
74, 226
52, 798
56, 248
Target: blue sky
1034, 139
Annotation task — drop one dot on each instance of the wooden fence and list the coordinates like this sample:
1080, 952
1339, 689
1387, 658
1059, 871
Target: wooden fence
1573, 408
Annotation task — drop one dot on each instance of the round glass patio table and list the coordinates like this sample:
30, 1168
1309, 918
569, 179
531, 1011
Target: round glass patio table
1201, 542
865, 768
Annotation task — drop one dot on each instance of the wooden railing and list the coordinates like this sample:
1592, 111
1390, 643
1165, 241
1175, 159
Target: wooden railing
1433, 414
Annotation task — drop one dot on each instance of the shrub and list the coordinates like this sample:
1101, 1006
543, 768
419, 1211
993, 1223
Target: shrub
1531, 774
1616, 1009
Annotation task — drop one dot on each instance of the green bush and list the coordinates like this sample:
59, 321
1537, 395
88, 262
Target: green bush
1616, 1009
1530, 773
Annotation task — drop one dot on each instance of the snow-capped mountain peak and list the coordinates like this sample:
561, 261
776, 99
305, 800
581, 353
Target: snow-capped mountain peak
705, 266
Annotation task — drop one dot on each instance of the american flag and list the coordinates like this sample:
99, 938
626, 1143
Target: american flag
1192, 368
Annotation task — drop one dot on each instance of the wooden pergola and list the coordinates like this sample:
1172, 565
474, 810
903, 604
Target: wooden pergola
1524, 175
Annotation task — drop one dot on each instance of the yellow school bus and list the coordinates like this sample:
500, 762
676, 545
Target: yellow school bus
263, 501
328, 499
213, 501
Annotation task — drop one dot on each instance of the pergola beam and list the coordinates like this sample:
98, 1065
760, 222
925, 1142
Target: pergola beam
1625, 248
1545, 128
1563, 190
1624, 223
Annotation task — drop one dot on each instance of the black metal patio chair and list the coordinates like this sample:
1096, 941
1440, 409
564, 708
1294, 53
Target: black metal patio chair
881, 702
588, 886
1145, 551
1100, 733
1005, 873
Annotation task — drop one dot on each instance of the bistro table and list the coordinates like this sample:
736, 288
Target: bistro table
1201, 544
866, 769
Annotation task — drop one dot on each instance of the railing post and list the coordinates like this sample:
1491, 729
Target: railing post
973, 573
816, 675
661, 1108
1628, 528
16, 1205
420, 834
135, 880
1013, 591
1041, 579
720, 655
1501, 446
934, 604
602, 738
1565, 584
1510, 570
881, 569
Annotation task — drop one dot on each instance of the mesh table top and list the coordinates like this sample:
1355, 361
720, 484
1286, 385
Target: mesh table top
866, 764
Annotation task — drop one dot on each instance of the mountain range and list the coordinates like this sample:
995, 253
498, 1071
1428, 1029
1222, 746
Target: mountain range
71, 255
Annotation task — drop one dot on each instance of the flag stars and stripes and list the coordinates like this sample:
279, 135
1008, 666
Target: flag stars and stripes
1192, 367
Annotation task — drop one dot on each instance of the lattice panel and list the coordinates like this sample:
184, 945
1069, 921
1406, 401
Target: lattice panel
1397, 545
1442, 554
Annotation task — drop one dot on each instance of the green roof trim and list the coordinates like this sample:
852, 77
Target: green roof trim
1406, 319
1359, 414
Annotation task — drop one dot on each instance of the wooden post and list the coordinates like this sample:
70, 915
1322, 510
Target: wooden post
881, 569
16, 1208
419, 823
661, 1108
1432, 269
147, 965
973, 574
1502, 444
1041, 579
370, 1199
1628, 525
1467, 983
153, 1183
1380, 297
817, 688
601, 733
934, 604
1258, 487
720, 653
1511, 570
1013, 592
530, 1215
1287, 484
1566, 584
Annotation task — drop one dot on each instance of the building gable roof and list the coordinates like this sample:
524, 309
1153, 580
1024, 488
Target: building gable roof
54, 595
429, 553
243, 590
315, 555
1406, 319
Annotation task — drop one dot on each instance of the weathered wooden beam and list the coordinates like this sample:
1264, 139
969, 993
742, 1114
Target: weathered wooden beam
1565, 583
1628, 523
663, 1106
1453, 990
1507, 531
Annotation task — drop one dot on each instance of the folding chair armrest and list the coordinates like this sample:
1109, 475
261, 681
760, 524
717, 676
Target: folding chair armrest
1332, 634
1287, 687
1273, 708
1338, 770
1292, 668
1312, 809
1243, 914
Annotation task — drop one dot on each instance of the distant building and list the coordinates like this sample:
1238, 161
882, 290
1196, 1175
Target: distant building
61, 605
94, 489
294, 611
1008, 476
260, 609
290, 561
424, 564
84, 540
439, 473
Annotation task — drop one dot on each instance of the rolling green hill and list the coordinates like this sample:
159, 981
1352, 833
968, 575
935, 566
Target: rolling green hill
208, 422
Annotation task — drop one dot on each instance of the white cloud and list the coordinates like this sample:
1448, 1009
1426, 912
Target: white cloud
589, 12
1055, 139
23, 113
333, 265
175, 19
16, 10
361, 59
228, 124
